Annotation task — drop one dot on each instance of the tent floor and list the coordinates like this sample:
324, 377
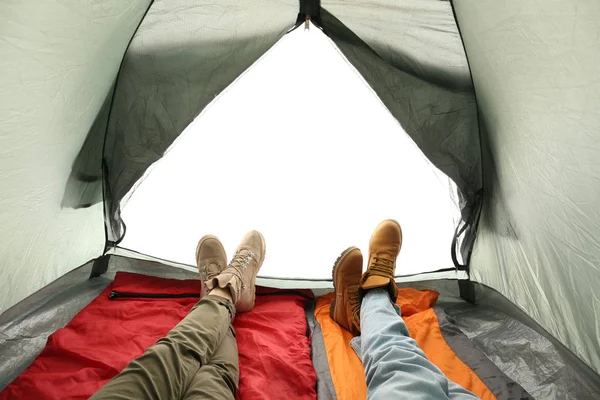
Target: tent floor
510, 339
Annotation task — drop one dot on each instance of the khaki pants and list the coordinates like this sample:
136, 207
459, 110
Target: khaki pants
198, 359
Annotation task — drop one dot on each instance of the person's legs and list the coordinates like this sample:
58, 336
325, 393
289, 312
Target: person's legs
220, 377
202, 344
166, 369
395, 366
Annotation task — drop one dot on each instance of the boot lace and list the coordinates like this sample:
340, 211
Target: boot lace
382, 267
204, 270
355, 301
239, 263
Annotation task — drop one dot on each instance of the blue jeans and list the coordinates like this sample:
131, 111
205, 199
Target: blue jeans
395, 366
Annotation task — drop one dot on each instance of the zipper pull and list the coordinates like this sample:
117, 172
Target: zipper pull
113, 295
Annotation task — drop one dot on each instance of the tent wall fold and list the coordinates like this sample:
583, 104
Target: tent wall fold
58, 62
412, 56
184, 54
535, 68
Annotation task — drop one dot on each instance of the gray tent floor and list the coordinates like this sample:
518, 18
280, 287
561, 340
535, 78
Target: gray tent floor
510, 339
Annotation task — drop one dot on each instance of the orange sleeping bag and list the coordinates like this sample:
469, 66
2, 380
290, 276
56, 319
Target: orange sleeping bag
346, 368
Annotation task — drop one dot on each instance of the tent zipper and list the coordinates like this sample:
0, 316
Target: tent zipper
128, 295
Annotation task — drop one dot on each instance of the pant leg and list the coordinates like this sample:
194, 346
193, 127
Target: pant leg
457, 392
220, 377
395, 366
165, 370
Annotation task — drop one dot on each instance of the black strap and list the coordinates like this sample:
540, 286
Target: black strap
309, 9
471, 222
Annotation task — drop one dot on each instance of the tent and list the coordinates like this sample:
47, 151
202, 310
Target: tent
103, 105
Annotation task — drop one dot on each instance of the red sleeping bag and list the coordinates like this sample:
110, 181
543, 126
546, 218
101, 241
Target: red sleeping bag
120, 324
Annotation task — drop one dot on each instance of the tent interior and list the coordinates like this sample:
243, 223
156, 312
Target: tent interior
128, 131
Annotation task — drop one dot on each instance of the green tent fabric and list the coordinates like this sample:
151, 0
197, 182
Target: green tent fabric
59, 62
535, 69
178, 66
93, 92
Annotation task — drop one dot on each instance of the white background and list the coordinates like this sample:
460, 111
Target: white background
301, 149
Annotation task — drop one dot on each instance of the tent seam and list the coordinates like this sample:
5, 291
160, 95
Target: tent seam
104, 165
479, 207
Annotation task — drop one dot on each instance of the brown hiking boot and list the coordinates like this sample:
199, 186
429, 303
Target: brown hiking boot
384, 248
240, 275
211, 259
345, 307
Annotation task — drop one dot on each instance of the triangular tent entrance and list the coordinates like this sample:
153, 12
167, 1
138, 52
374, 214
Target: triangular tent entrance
312, 185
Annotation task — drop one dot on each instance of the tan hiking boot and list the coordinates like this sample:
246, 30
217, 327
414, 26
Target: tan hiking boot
384, 248
211, 259
240, 275
345, 307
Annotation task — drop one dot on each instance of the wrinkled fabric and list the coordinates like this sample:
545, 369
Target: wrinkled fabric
183, 55
197, 359
347, 374
107, 334
394, 364
24, 329
58, 62
529, 358
535, 68
275, 360
325, 388
410, 52
501, 385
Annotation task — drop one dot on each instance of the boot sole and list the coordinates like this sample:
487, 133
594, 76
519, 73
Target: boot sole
334, 274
